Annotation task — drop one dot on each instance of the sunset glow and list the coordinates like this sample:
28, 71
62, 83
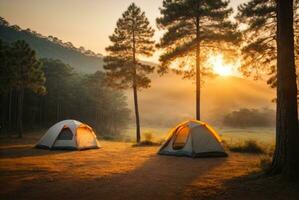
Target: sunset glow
220, 67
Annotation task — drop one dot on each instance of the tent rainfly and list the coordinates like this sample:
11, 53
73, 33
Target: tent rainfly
69, 134
193, 139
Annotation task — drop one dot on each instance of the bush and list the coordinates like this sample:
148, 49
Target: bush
148, 137
249, 146
148, 141
250, 118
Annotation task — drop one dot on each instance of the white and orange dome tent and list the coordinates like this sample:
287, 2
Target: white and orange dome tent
69, 134
195, 139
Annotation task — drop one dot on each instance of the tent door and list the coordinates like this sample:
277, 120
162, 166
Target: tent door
65, 139
181, 138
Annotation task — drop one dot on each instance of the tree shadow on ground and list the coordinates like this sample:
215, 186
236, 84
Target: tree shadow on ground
158, 177
257, 186
21, 151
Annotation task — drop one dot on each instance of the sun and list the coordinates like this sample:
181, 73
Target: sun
219, 66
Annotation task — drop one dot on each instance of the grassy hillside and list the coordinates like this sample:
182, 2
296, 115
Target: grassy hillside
51, 47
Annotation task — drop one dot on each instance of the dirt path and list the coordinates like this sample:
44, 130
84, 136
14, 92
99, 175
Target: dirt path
117, 171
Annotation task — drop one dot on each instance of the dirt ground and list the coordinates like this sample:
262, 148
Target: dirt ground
120, 171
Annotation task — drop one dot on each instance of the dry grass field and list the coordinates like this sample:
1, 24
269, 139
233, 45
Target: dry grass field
120, 171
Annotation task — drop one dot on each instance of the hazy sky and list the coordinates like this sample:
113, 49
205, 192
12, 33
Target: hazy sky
85, 23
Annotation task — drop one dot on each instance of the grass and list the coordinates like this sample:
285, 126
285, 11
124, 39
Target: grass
248, 146
233, 135
115, 137
251, 146
148, 141
80, 171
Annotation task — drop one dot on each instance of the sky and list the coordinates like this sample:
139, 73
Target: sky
86, 23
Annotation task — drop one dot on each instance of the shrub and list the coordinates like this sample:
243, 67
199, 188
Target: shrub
250, 118
249, 146
148, 137
148, 141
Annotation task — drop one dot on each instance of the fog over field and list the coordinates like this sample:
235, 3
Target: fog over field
171, 99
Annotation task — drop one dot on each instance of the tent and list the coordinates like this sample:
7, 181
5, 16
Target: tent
69, 134
194, 139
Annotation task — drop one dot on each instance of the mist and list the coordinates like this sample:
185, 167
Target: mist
171, 99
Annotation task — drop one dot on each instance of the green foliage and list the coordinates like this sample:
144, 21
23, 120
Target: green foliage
131, 38
66, 93
26, 68
180, 19
5, 71
83, 61
20, 70
259, 38
69, 96
259, 49
83, 97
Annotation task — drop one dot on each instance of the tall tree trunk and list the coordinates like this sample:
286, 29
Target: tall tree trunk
3, 113
96, 118
10, 110
286, 154
20, 112
136, 114
197, 70
96, 110
40, 114
138, 138
45, 112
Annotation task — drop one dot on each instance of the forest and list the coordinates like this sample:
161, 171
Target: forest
82, 60
36, 93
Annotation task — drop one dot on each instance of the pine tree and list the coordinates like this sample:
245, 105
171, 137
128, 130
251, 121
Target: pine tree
4, 68
4, 81
58, 74
287, 111
193, 28
261, 56
95, 87
259, 49
131, 39
27, 75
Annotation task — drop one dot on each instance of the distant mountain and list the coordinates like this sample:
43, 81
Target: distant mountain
83, 61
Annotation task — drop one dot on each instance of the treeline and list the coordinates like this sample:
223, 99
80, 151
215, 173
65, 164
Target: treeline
36, 93
245, 117
83, 61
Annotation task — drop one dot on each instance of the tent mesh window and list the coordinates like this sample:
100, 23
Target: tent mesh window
181, 138
65, 134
